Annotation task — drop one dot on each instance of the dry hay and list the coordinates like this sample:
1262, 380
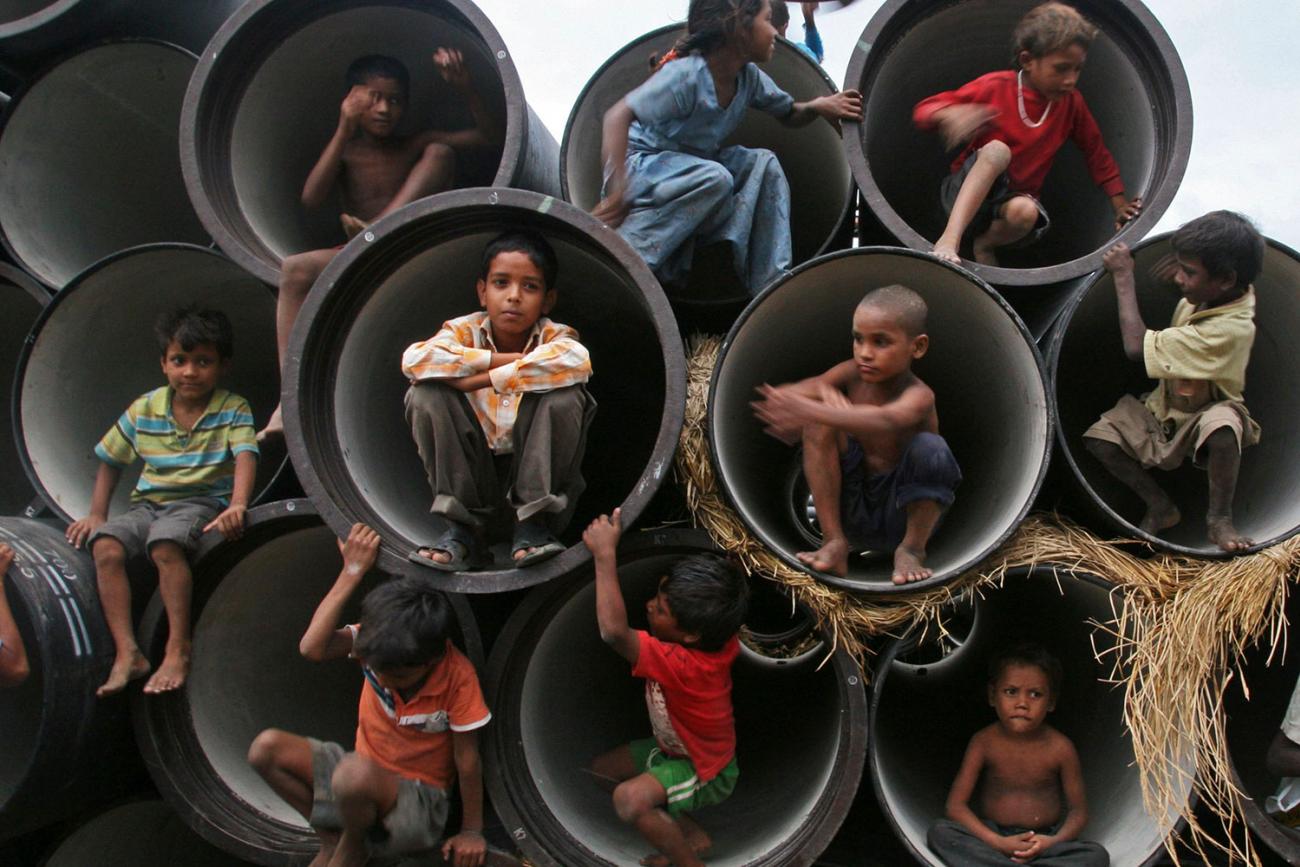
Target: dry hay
1183, 625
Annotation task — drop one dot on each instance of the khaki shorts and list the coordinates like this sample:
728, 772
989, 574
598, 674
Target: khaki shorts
145, 524
1132, 427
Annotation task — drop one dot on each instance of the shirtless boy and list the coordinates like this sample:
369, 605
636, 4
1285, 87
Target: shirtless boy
1022, 767
879, 473
378, 170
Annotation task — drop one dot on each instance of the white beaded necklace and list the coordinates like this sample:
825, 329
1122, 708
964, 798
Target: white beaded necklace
1020, 101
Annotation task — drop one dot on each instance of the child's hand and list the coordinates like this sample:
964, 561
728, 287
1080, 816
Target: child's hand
466, 849
360, 550
230, 522
1036, 845
6, 558
451, 67
959, 123
358, 101
601, 537
79, 531
1128, 211
1118, 260
1010, 844
844, 105
783, 412
612, 210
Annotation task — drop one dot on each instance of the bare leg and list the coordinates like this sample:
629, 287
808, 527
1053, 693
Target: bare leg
611, 768
637, 802
909, 556
1016, 218
284, 761
821, 467
174, 585
1161, 512
432, 173
297, 274
992, 161
365, 793
115, 600
1222, 464
696, 836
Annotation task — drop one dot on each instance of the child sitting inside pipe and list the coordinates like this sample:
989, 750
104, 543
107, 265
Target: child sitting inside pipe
417, 727
685, 658
879, 473
376, 170
1020, 767
1011, 124
200, 462
1196, 409
503, 382
13, 655
1283, 760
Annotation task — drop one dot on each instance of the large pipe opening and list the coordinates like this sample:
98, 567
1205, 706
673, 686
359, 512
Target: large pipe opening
1134, 85
22, 299
985, 372
138, 834
344, 419
245, 166
64, 404
252, 600
1090, 372
111, 177
550, 664
924, 714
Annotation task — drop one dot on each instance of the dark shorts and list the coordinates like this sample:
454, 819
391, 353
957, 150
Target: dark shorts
999, 194
874, 508
145, 524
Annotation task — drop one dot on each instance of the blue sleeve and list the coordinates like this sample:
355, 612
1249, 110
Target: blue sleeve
767, 96
813, 40
666, 95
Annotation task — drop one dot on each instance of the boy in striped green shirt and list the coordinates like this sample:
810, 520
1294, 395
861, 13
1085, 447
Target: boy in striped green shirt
199, 449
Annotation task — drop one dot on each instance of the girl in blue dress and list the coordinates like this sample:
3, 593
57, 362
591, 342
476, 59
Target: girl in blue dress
669, 181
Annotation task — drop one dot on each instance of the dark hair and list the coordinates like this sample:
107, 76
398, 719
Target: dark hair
191, 325
708, 596
907, 306
1051, 27
531, 244
403, 623
780, 14
361, 70
710, 24
1226, 243
1027, 653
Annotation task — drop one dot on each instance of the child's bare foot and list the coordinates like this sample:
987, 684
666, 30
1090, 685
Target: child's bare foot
909, 566
1160, 517
696, 838
171, 674
125, 669
832, 557
274, 427
947, 251
1221, 532
352, 226
324, 856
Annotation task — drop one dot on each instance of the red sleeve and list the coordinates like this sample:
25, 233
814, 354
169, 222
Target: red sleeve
971, 92
466, 709
1087, 135
659, 660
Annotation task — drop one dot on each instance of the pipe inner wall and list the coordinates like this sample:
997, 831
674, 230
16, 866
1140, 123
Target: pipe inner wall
89, 159
924, 715
1134, 86
982, 365
1090, 372
139, 834
22, 299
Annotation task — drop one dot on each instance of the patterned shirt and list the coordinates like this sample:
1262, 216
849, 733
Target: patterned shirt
553, 358
177, 463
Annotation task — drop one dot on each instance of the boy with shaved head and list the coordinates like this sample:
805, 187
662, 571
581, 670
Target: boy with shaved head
880, 474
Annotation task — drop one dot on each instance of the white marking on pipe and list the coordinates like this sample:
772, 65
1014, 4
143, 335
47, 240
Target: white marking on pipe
501, 55
369, 236
545, 205
57, 583
493, 198
72, 629
81, 624
864, 46
290, 506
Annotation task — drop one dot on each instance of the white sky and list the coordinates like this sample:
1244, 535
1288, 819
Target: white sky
1242, 60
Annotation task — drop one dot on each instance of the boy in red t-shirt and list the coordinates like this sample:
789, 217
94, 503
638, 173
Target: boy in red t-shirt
685, 658
1012, 125
417, 727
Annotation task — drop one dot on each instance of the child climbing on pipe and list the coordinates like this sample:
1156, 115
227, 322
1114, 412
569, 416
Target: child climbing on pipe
879, 473
1020, 767
671, 184
418, 720
13, 655
504, 382
685, 658
376, 170
812, 40
1010, 126
1197, 408
200, 454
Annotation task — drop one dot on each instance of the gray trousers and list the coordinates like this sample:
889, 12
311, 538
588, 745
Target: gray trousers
545, 477
958, 847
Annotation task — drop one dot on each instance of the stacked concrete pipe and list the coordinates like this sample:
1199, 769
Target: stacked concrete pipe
92, 352
396, 284
137, 834
925, 707
1089, 372
89, 159
982, 365
245, 158
1134, 85
549, 669
252, 601
21, 298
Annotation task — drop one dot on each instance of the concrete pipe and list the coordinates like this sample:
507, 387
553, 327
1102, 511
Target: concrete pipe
551, 665
63, 747
137, 834
986, 374
1135, 88
21, 298
1090, 371
245, 159
252, 600
396, 284
89, 159
925, 709
92, 352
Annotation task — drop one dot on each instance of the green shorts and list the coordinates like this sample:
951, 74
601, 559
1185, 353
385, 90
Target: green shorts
678, 777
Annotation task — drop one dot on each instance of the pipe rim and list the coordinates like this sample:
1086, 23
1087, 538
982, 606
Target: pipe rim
36, 20
882, 588
1153, 206
200, 151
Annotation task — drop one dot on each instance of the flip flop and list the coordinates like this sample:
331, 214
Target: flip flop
534, 534
458, 541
